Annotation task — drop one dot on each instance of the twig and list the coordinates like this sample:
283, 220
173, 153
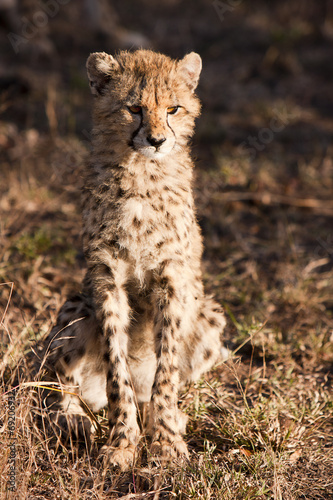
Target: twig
265, 198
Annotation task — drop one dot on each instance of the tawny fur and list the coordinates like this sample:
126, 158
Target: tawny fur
144, 326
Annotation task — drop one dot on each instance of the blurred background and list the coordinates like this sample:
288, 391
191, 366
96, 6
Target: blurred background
263, 150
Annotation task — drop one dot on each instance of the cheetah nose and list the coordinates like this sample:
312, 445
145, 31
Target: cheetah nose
155, 141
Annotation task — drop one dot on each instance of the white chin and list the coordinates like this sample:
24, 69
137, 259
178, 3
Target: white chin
151, 153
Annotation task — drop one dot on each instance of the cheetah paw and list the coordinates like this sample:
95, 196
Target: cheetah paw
121, 456
166, 450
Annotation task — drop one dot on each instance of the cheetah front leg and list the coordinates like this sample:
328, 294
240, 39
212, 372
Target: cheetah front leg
113, 313
170, 298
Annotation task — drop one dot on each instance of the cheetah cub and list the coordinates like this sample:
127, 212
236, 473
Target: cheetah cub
142, 326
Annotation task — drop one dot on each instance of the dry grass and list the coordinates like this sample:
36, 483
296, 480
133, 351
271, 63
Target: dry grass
260, 425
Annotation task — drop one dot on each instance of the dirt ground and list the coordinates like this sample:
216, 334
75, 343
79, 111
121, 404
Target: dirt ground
260, 425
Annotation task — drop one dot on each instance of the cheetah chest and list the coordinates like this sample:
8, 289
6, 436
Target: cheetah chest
150, 229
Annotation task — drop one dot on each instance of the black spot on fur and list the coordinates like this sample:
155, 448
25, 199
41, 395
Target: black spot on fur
123, 253
156, 390
103, 189
166, 321
164, 264
111, 243
213, 322
110, 331
139, 310
164, 282
107, 314
169, 289
120, 435
111, 287
164, 382
114, 396
161, 369
81, 351
115, 385
166, 427
116, 413
207, 354
165, 349
67, 359
108, 272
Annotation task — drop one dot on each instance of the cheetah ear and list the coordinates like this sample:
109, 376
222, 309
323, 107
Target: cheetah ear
100, 68
190, 69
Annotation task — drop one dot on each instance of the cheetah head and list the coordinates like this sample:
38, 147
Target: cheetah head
145, 101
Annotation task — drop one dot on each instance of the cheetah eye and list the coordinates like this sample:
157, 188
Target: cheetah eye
135, 109
172, 110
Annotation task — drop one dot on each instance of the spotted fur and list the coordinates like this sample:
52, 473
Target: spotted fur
143, 326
